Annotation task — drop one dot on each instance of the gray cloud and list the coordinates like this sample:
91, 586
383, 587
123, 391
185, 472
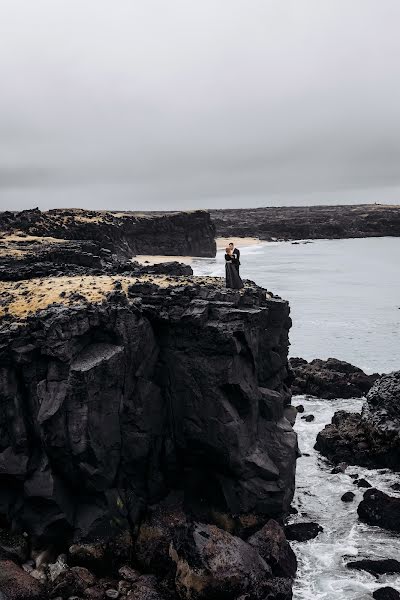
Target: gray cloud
178, 104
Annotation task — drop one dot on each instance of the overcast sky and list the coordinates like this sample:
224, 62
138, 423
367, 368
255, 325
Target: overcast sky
134, 104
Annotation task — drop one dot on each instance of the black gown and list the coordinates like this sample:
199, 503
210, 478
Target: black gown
233, 279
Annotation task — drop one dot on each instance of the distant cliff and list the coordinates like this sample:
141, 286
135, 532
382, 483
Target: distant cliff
160, 383
125, 234
308, 222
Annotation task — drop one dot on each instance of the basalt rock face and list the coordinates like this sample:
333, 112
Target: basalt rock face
371, 439
309, 222
106, 407
331, 378
126, 234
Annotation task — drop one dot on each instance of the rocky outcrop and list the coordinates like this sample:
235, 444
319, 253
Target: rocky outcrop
125, 234
378, 508
308, 222
330, 379
108, 406
371, 439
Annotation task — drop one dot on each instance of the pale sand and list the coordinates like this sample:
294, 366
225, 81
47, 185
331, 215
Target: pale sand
240, 242
156, 260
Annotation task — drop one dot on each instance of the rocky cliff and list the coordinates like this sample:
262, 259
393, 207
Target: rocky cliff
309, 222
369, 439
125, 234
115, 391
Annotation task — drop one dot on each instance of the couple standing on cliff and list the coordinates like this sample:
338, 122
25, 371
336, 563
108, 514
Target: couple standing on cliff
232, 264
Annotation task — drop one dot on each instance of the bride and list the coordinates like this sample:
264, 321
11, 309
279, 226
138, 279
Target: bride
233, 279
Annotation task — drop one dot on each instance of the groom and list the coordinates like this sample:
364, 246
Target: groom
236, 255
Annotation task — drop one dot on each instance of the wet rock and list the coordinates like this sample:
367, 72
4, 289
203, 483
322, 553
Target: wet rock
128, 573
301, 532
376, 567
271, 544
330, 379
341, 468
15, 584
308, 418
212, 563
146, 588
378, 508
348, 497
55, 569
386, 593
371, 439
299, 408
395, 487
362, 483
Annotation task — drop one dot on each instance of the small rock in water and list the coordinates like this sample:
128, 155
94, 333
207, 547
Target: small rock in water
308, 418
353, 475
299, 408
386, 593
348, 497
362, 483
396, 488
376, 567
341, 467
112, 594
301, 532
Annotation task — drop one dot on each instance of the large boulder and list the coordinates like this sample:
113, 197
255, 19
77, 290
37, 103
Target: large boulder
371, 439
331, 378
16, 584
211, 563
273, 547
377, 508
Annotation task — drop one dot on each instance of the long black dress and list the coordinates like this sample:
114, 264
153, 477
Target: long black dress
233, 279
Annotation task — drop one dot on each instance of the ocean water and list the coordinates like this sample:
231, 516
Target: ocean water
345, 302
344, 295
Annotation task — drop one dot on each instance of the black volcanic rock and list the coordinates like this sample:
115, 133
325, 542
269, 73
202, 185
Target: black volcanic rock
272, 545
107, 407
386, 593
371, 439
348, 497
375, 567
308, 222
125, 234
377, 508
330, 379
301, 532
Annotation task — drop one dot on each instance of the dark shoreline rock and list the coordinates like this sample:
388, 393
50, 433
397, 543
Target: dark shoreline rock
375, 567
308, 222
330, 379
377, 508
302, 532
372, 438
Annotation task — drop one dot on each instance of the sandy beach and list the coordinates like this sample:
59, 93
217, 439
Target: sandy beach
187, 260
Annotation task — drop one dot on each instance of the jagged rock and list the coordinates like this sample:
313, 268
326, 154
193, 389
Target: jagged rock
371, 439
308, 418
386, 593
330, 378
13, 546
73, 581
376, 567
55, 569
15, 584
362, 483
301, 532
128, 573
91, 556
182, 385
348, 497
145, 588
155, 534
341, 468
213, 563
378, 508
307, 222
271, 544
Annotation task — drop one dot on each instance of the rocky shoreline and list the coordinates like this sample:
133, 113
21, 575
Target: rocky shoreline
308, 222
